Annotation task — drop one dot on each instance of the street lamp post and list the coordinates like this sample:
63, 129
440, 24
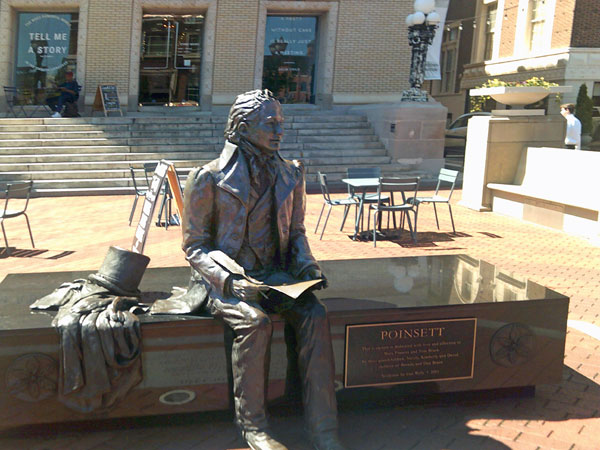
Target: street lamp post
421, 30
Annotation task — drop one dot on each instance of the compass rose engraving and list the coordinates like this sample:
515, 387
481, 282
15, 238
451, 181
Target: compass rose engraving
512, 345
32, 377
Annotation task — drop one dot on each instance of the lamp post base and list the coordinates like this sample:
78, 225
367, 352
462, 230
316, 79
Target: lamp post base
414, 95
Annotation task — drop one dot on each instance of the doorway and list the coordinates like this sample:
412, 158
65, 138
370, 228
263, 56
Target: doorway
170, 60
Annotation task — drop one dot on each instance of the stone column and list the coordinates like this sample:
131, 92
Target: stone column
494, 147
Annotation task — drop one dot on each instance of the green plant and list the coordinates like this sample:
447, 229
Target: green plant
584, 109
478, 103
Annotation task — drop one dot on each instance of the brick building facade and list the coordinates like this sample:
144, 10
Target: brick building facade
201, 53
514, 40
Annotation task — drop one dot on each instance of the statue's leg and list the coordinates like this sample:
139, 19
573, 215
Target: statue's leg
315, 361
293, 382
252, 331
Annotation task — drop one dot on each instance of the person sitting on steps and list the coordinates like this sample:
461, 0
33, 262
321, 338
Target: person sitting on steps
69, 94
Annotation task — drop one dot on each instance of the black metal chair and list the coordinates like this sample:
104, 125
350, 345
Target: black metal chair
345, 202
393, 185
20, 98
138, 193
446, 177
149, 169
14, 100
20, 191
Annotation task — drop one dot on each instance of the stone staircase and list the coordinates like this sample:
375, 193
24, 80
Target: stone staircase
92, 155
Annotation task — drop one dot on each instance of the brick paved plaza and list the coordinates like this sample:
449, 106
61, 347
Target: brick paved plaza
73, 233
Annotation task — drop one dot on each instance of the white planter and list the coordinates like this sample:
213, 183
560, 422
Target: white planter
518, 96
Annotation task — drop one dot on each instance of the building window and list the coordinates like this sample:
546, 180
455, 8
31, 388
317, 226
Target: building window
290, 55
490, 28
537, 21
46, 50
170, 60
448, 59
596, 100
596, 93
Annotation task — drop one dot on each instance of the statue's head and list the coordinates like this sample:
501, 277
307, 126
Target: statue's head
257, 117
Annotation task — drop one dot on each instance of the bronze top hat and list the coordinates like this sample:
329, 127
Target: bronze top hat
121, 271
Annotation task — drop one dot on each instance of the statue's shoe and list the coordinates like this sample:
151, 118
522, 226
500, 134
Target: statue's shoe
327, 440
262, 440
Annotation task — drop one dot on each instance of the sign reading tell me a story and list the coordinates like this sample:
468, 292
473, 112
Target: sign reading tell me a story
43, 43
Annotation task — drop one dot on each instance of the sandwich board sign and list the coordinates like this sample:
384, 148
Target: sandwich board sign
164, 170
107, 99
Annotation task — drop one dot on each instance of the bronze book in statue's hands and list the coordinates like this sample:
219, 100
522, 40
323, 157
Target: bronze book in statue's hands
279, 281
296, 289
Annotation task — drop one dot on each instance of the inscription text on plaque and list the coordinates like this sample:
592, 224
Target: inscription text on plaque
409, 352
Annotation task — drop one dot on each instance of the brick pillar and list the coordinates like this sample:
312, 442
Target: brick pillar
235, 49
108, 47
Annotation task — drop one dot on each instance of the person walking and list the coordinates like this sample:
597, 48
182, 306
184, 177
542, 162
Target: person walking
573, 136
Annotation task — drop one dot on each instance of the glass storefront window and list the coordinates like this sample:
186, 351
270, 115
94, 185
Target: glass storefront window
46, 50
290, 55
170, 60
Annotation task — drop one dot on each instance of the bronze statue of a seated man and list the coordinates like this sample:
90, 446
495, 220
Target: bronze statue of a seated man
249, 206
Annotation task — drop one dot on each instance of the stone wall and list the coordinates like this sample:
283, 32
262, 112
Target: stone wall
494, 148
372, 60
234, 62
412, 132
108, 47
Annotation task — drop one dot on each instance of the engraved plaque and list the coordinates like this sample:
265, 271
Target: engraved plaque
409, 352
185, 367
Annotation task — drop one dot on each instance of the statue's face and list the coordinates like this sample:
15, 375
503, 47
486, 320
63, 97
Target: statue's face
265, 128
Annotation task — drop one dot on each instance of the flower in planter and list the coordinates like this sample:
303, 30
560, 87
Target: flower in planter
478, 102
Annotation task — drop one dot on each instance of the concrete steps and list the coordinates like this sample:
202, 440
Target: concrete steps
92, 155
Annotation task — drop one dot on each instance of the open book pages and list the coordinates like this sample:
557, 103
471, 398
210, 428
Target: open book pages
292, 288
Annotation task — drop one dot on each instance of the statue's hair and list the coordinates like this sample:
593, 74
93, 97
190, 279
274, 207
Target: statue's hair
242, 110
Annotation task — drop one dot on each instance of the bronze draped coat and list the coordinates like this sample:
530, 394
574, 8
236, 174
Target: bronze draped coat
215, 215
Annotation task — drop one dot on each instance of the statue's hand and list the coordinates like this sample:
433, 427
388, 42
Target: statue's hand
316, 274
247, 291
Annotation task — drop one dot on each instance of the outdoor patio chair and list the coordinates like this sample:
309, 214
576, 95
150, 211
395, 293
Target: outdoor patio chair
22, 192
21, 98
149, 169
14, 100
345, 202
446, 177
138, 193
394, 185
